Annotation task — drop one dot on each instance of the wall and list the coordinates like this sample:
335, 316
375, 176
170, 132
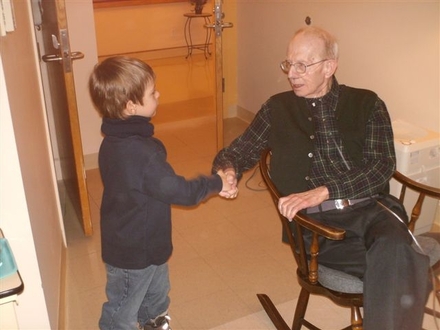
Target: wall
29, 214
81, 23
376, 40
390, 46
229, 45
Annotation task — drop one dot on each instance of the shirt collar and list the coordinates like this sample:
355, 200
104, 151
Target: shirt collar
330, 98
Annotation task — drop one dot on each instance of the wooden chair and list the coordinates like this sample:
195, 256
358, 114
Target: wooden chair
343, 289
428, 241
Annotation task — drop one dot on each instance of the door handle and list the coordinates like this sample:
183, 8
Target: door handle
226, 25
219, 26
66, 56
219, 15
76, 56
58, 58
222, 25
51, 58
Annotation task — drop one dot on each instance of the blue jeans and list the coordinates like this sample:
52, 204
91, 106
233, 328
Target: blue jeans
134, 296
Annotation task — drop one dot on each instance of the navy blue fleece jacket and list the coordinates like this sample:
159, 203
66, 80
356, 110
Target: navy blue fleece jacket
139, 188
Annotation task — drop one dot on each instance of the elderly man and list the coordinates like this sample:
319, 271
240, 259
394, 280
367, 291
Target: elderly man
331, 142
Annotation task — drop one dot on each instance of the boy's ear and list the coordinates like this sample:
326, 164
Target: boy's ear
130, 108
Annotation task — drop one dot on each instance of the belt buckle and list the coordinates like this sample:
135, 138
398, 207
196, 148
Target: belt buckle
340, 204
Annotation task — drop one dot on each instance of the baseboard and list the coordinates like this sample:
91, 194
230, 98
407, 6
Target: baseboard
62, 313
245, 115
91, 161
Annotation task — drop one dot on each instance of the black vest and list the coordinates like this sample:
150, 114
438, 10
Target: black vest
292, 134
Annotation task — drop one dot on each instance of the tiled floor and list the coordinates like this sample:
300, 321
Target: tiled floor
225, 251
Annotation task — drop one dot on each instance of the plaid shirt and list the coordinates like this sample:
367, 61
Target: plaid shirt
331, 166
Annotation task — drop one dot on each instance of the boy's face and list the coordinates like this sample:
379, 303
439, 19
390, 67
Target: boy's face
150, 100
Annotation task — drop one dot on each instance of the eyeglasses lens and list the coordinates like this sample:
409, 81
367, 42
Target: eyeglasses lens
285, 66
299, 67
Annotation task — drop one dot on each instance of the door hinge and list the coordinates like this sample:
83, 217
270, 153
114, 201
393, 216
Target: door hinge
223, 85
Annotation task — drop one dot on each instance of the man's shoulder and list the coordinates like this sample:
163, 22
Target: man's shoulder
284, 95
285, 98
348, 90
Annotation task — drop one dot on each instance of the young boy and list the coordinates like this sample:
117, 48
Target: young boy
139, 188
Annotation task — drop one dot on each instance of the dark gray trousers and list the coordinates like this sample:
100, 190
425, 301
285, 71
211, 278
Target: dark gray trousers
377, 249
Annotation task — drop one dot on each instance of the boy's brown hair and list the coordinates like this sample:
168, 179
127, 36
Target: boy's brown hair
117, 80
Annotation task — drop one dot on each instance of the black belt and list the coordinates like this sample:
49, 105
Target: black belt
335, 204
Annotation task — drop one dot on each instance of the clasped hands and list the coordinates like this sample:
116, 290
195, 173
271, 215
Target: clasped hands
229, 179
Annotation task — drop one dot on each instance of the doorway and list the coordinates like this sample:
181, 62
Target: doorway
186, 83
56, 69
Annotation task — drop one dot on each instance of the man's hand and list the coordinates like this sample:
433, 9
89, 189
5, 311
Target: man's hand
290, 205
231, 179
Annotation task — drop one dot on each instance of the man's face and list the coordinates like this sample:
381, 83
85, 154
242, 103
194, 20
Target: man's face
316, 81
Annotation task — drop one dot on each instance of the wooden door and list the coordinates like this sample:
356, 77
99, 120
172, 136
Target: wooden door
59, 91
218, 27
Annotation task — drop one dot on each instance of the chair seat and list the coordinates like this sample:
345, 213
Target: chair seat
430, 246
337, 280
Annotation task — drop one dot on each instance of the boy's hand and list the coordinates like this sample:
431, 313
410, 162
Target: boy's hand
229, 180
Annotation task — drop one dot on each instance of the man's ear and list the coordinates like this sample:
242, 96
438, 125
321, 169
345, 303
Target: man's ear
330, 67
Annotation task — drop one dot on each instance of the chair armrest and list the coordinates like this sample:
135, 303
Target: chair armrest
313, 225
417, 186
300, 221
318, 229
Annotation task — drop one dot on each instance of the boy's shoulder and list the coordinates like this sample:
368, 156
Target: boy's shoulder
135, 145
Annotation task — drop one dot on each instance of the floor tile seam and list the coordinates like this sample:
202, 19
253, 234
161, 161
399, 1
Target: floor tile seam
251, 237
217, 250
214, 294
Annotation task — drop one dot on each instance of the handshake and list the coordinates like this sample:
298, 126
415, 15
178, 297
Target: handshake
229, 179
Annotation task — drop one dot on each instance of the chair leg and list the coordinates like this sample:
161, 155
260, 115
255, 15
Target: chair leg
272, 312
437, 288
432, 312
356, 318
300, 310
436, 292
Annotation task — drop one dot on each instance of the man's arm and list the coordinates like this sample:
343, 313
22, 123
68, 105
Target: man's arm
245, 151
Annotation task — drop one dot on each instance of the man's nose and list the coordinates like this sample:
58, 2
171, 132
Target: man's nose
292, 74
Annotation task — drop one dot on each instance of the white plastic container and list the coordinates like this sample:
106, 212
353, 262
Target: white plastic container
418, 157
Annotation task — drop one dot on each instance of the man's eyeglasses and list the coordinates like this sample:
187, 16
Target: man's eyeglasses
299, 67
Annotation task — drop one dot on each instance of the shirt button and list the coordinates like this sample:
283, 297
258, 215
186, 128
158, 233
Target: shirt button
310, 155
310, 118
312, 137
307, 178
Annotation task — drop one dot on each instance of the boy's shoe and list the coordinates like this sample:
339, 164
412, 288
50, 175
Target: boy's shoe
159, 323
